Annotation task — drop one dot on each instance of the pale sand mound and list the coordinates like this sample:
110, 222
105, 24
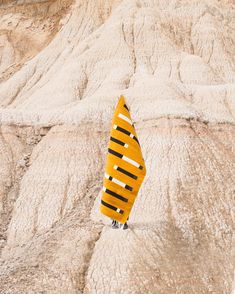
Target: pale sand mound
62, 67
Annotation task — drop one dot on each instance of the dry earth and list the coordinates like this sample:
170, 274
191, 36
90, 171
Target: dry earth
63, 65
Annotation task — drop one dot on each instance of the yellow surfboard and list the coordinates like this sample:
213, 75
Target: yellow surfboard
125, 167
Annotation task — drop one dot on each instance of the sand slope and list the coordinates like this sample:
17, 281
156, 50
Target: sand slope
63, 65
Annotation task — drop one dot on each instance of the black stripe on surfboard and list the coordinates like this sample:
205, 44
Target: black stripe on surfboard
120, 129
126, 107
128, 188
115, 195
111, 151
136, 139
117, 141
123, 131
126, 172
112, 207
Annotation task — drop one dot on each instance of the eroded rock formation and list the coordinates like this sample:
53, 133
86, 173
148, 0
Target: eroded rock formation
63, 65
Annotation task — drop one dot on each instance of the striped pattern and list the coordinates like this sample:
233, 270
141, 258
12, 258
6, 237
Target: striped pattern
127, 159
119, 142
122, 130
125, 167
125, 172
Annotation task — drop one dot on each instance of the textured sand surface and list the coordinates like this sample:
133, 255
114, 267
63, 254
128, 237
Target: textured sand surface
63, 65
